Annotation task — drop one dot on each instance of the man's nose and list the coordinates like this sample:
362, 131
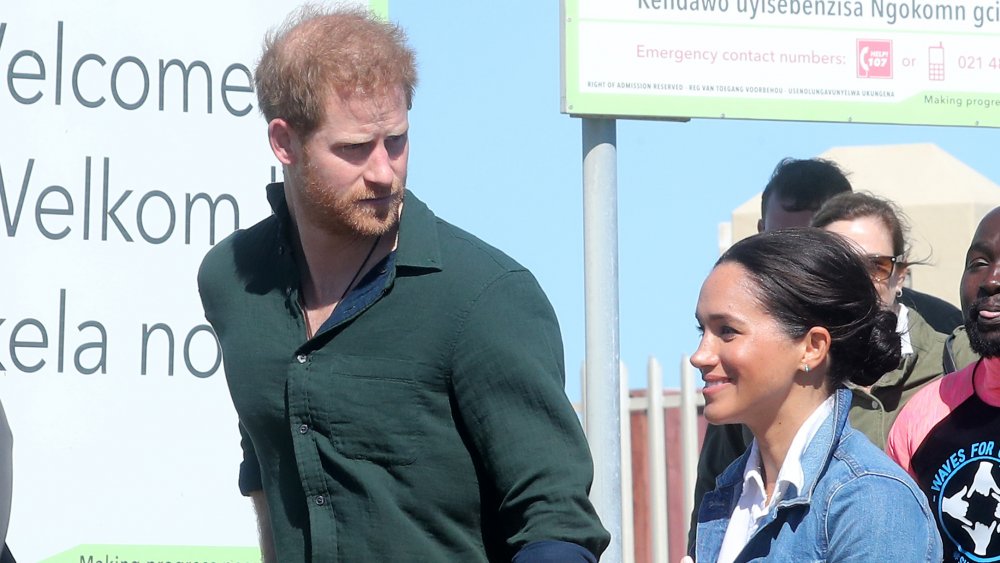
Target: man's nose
379, 166
991, 283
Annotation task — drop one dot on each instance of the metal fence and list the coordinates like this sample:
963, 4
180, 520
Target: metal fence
660, 441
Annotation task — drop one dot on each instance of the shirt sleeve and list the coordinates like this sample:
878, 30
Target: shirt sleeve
877, 517
508, 380
897, 445
249, 479
553, 552
922, 413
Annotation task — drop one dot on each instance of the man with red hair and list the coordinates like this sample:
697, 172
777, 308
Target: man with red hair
399, 383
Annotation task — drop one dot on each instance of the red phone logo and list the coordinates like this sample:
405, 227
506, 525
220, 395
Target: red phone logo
874, 58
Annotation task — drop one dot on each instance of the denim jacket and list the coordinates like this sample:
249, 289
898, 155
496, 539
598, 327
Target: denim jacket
855, 505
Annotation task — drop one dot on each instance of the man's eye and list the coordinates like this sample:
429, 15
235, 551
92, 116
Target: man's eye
395, 143
977, 263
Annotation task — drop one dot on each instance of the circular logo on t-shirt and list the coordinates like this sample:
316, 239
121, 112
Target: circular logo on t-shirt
968, 509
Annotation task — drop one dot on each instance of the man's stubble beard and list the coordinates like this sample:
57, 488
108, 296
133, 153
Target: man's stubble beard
339, 212
986, 344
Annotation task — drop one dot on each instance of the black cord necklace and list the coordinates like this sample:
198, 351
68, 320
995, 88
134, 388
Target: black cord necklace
360, 269
302, 300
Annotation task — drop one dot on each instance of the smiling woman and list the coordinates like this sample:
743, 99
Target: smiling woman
787, 319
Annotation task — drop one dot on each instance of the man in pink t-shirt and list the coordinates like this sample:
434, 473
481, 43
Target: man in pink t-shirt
946, 436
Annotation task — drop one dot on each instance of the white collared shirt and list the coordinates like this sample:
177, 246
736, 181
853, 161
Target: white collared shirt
753, 505
903, 328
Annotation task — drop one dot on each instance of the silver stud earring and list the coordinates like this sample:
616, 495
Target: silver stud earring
806, 368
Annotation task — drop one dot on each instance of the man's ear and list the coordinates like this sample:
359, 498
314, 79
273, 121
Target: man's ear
285, 143
760, 225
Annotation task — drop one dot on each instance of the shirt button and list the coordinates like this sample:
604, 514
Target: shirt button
320, 501
303, 429
302, 358
874, 404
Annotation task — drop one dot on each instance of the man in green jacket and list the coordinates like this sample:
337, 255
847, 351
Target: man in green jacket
399, 383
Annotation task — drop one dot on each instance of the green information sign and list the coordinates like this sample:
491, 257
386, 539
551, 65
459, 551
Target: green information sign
871, 61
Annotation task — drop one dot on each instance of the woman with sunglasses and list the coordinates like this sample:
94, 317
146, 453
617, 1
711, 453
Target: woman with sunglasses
877, 230
787, 319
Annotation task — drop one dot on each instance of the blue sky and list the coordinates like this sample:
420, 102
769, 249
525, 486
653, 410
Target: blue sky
491, 152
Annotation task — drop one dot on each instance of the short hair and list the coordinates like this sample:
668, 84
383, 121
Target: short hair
851, 206
803, 185
807, 278
316, 53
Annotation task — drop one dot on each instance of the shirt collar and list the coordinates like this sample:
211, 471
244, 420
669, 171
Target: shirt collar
791, 473
990, 384
903, 328
418, 245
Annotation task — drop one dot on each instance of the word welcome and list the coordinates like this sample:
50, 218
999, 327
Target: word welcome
30, 78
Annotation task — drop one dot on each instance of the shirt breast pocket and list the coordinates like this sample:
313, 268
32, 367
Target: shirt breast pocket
374, 409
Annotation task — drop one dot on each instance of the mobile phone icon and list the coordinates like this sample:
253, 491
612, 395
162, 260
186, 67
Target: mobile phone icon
935, 62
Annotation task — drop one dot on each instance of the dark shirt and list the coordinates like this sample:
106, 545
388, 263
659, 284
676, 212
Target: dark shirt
425, 421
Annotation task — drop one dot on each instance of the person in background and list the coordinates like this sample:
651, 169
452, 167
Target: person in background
399, 383
876, 227
795, 191
946, 436
6, 483
787, 318
798, 188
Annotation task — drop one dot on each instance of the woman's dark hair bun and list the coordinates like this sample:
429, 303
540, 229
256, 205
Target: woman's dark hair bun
882, 354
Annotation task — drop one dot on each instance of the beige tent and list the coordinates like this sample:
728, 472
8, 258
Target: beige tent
943, 198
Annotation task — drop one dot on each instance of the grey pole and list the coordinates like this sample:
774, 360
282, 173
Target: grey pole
602, 409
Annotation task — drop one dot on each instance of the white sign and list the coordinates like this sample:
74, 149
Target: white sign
876, 61
132, 143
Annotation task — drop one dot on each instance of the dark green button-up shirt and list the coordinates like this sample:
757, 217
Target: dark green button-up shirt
426, 421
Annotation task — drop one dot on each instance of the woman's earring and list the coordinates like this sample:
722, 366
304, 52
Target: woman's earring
899, 292
806, 368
